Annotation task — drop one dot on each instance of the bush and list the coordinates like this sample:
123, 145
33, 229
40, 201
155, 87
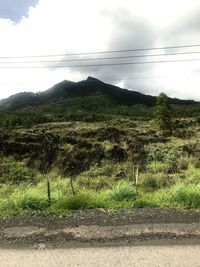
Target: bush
123, 191
163, 114
193, 175
22, 200
83, 156
15, 173
169, 157
36, 203
105, 169
157, 167
117, 153
157, 181
183, 163
94, 183
80, 201
150, 181
182, 196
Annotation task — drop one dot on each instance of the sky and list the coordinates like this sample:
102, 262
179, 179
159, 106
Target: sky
44, 42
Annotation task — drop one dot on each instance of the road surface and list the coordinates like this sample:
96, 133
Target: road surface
176, 255
143, 237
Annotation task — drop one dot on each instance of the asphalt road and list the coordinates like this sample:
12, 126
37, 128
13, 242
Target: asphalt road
176, 255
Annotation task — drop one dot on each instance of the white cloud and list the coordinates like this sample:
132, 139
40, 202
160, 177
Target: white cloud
75, 26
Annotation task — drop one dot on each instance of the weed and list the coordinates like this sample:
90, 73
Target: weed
180, 195
193, 175
80, 201
123, 191
167, 156
157, 181
157, 167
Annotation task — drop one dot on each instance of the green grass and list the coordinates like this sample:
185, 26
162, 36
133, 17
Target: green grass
123, 191
84, 200
169, 177
193, 175
180, 196
157, 167
151, 181
33, 200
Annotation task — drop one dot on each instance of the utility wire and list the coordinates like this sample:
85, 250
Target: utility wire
100, 65
103, 58
104, 52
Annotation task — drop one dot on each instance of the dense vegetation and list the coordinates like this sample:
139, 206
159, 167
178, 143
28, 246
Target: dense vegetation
88, 101
93, 108
92, 151
91, 165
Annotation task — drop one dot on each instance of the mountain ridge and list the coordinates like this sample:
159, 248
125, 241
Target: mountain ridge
68, 89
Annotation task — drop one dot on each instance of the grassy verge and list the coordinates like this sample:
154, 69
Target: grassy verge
108, 186
32, 200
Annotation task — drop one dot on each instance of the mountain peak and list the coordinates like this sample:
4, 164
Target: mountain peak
90, 78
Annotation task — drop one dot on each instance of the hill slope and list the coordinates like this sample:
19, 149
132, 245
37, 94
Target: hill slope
91, 86
90, 100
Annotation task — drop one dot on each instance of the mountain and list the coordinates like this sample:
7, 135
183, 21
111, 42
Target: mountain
91, 86
18, 100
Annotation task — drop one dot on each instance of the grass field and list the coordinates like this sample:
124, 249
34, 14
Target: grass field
127, 164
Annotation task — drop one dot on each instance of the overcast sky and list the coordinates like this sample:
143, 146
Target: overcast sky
60, 27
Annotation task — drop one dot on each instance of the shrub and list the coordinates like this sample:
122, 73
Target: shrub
117, 153
105, 169
157, 167
95, 183
80, 201
84, 156
150, 181
36, 203
193, 175
182, 195
157, 181
183, 163
17, 173
169, 157
123, 191
22, 199
163, 114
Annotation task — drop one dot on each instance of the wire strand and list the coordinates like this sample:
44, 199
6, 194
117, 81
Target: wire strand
100, 65
105, 52
96, 59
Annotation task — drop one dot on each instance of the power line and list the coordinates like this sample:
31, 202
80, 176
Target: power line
96, 59
105, 52
100, 65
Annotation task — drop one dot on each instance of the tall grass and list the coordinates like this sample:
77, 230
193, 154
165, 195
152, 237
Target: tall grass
123, 191
193, 175
31, 199
180, 196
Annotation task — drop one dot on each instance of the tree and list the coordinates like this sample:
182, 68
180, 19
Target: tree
163, 114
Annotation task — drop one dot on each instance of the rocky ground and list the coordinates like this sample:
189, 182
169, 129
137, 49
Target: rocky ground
101, 227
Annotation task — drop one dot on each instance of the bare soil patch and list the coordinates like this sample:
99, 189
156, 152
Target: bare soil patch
101, 226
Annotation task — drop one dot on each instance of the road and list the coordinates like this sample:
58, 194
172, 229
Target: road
143, 237
176, 255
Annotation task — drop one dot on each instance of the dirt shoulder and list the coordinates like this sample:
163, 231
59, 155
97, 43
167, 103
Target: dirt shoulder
101, 227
